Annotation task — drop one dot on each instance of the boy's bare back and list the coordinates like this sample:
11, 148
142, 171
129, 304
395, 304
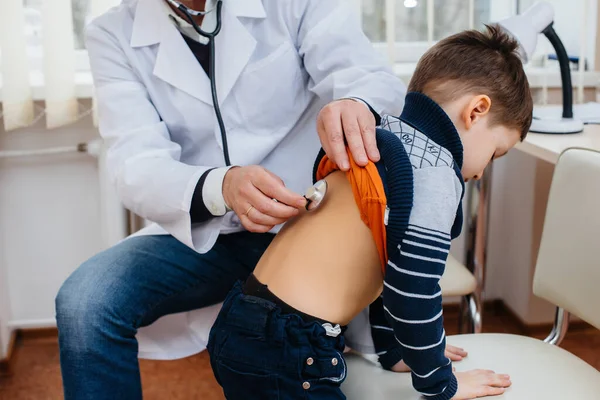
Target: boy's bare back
325, 262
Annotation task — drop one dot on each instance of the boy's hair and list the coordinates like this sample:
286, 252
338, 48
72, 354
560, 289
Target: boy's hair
478, 62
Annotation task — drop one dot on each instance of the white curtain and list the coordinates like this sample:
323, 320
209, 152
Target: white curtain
59, 63
17, 100
51, 65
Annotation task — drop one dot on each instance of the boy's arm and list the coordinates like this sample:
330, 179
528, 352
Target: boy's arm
412, 297
387, 347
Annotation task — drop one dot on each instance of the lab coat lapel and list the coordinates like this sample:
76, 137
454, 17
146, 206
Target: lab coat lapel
234, 47
175, 63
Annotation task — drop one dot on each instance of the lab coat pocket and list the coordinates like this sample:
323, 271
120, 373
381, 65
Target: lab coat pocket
271, 93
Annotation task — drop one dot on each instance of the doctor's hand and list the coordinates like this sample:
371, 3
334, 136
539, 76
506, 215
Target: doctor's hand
350, 121
250, 192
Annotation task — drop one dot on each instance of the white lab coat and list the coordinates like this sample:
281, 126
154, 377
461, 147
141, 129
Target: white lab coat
277, 63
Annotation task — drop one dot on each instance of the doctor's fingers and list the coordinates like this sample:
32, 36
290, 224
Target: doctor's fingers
353, 134
366, 121
257, 217
329, 127
254, 227
265, 204
273, 187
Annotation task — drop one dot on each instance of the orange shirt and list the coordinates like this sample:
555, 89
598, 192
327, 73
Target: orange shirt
370, 198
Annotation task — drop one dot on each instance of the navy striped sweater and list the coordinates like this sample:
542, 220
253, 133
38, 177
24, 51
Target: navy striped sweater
421, 157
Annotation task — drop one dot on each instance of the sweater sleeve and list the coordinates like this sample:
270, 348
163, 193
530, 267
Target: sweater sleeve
412, 298
388, 349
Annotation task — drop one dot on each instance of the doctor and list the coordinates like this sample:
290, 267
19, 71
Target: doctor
290, 76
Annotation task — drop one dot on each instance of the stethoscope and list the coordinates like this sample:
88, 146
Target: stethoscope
189, 14
314, 194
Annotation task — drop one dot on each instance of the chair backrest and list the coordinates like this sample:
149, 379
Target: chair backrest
568, 267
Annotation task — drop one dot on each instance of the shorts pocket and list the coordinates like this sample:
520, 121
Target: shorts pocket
245, 385
326, 369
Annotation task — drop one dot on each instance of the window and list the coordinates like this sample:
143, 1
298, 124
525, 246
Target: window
401, 29
417, 24
450, 16
33, 9
33, 21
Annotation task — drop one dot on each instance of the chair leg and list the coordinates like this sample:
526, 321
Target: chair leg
559, 330
474, 313
463, 315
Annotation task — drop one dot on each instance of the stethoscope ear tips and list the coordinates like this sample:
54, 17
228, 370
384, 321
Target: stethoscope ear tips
315, 194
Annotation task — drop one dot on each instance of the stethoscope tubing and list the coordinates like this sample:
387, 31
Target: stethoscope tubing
211, 69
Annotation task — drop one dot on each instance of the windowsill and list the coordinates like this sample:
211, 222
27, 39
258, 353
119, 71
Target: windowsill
84, 86
537, 75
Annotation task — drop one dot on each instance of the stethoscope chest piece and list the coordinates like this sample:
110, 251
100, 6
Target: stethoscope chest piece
315, 194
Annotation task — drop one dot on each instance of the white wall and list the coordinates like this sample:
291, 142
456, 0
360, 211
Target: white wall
50, 223
4, 310
519, 196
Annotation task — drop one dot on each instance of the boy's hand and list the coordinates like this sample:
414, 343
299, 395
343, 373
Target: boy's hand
452, 352
480, 383
455, 353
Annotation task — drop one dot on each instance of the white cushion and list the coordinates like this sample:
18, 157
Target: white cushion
457, 279
538, 371
567, 272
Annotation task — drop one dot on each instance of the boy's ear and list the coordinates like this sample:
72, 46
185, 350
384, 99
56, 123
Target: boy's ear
476, 109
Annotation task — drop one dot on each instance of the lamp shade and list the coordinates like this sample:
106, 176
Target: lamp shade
526, 27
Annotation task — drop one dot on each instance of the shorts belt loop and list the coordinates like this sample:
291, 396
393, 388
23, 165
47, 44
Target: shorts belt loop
277, 327
332, 331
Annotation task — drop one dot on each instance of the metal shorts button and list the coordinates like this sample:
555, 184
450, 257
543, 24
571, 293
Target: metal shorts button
309, 361
334, 361
306, 385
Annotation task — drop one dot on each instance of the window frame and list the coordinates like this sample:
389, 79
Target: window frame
411, 51
406, 54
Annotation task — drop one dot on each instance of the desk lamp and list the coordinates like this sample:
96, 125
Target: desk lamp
525, 27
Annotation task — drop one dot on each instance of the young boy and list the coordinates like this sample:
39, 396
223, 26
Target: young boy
380, 237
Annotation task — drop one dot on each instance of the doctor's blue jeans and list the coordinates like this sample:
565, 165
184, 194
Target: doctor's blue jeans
102, 304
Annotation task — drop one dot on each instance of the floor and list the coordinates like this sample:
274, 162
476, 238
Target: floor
37, 372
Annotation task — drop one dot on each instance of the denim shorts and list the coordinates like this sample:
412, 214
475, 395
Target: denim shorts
259, 353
